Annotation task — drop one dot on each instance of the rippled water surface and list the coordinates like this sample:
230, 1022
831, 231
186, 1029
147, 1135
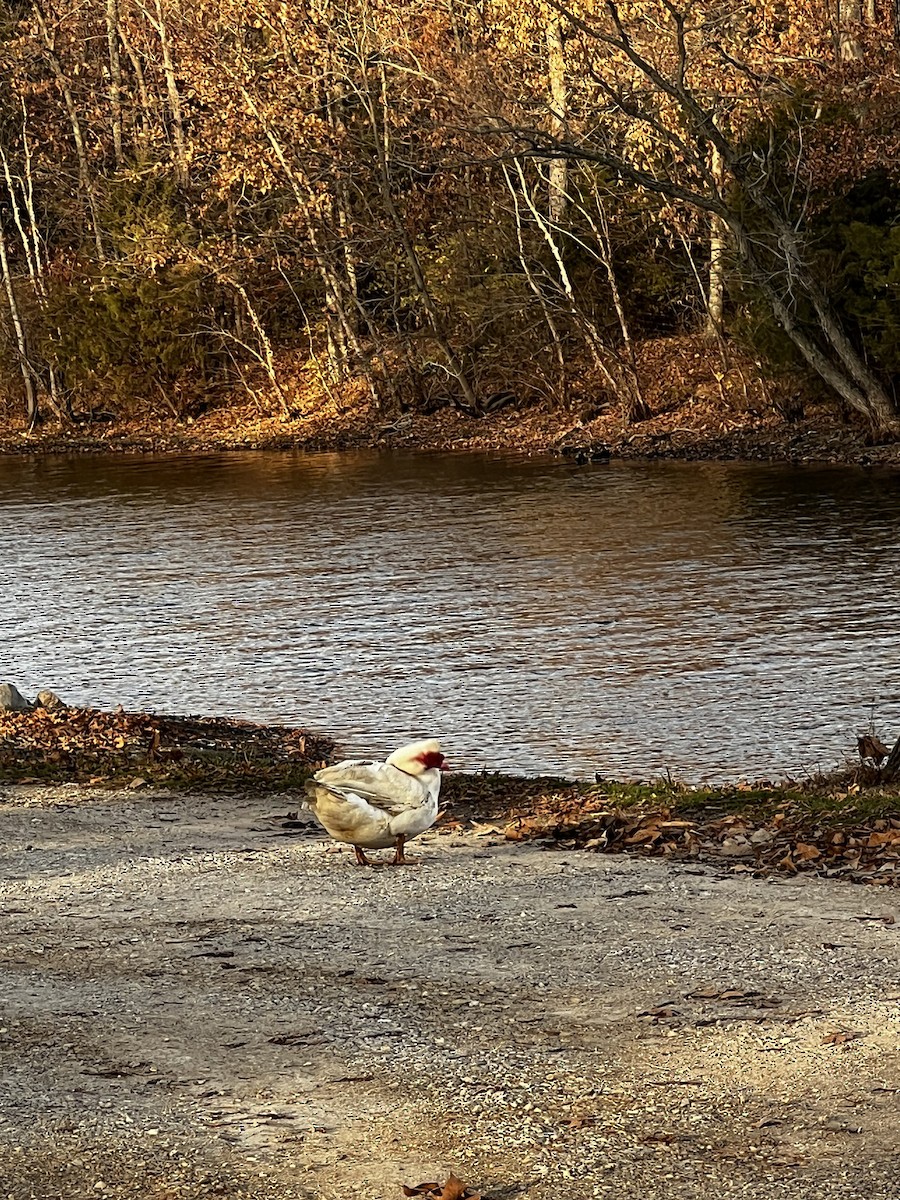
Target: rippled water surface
714, 620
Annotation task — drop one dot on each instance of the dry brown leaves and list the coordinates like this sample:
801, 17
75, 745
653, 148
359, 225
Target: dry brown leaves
716, 1006
86, 744
840, 1037
697, 413
786, 842
453, 1189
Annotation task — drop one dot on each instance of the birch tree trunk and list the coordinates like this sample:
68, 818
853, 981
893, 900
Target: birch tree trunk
718, 243
559, 167
174, 98
850, 14
534, 285
31, 399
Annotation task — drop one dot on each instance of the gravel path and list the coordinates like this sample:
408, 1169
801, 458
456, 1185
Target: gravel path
193, 1004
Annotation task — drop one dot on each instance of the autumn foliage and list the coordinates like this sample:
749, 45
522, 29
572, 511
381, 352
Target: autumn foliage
450, 204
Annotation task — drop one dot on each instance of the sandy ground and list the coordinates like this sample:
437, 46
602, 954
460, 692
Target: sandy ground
195, 1004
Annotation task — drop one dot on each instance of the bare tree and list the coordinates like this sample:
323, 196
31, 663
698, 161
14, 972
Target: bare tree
748, 201
157, 19
29, 379
85, 174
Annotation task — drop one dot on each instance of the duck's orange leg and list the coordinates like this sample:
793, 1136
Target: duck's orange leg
361, 858
400, 859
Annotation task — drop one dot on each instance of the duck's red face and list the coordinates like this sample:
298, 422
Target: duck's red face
418, 757
434, 758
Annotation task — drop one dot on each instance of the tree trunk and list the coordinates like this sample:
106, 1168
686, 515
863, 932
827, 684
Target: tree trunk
84, 170
144, 115
31, 401
563, 382
115, 77
559, 167
850, 16
892, 766
715, 297
178, 137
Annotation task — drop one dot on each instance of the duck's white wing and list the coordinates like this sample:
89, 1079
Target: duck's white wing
379, 784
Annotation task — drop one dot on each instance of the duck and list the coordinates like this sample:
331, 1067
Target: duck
374, 805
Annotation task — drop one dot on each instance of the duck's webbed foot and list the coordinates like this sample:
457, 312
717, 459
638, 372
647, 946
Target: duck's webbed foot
400, 859
361, 858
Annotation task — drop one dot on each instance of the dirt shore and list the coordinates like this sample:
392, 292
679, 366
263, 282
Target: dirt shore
198, 1002
701, 406
692, 434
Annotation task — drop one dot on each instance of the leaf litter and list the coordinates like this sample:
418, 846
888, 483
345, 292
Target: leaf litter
89, 745
789, 840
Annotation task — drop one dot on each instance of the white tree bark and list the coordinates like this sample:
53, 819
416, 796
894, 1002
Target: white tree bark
559, 101
718, 244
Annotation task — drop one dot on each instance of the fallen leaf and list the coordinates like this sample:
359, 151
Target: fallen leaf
840, 1036
661, 1012
805, 852
872, 747
453, 1189
484, 830
886, 838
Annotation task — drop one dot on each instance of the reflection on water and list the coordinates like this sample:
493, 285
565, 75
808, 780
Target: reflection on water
715, 620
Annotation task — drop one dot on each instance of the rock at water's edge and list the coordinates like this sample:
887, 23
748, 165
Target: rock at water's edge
12, 698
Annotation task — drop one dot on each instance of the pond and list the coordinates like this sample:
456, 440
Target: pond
717, 621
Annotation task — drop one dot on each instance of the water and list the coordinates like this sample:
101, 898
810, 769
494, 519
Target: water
719, 621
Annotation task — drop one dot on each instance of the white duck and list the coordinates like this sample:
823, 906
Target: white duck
379, 804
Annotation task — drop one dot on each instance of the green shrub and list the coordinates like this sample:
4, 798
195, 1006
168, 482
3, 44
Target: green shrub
134, 335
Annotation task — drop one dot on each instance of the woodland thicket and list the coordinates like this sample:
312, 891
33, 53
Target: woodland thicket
450, 202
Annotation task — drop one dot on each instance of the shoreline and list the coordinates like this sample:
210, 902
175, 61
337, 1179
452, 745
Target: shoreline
706, 402
694, 429
825, 444
845, 825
